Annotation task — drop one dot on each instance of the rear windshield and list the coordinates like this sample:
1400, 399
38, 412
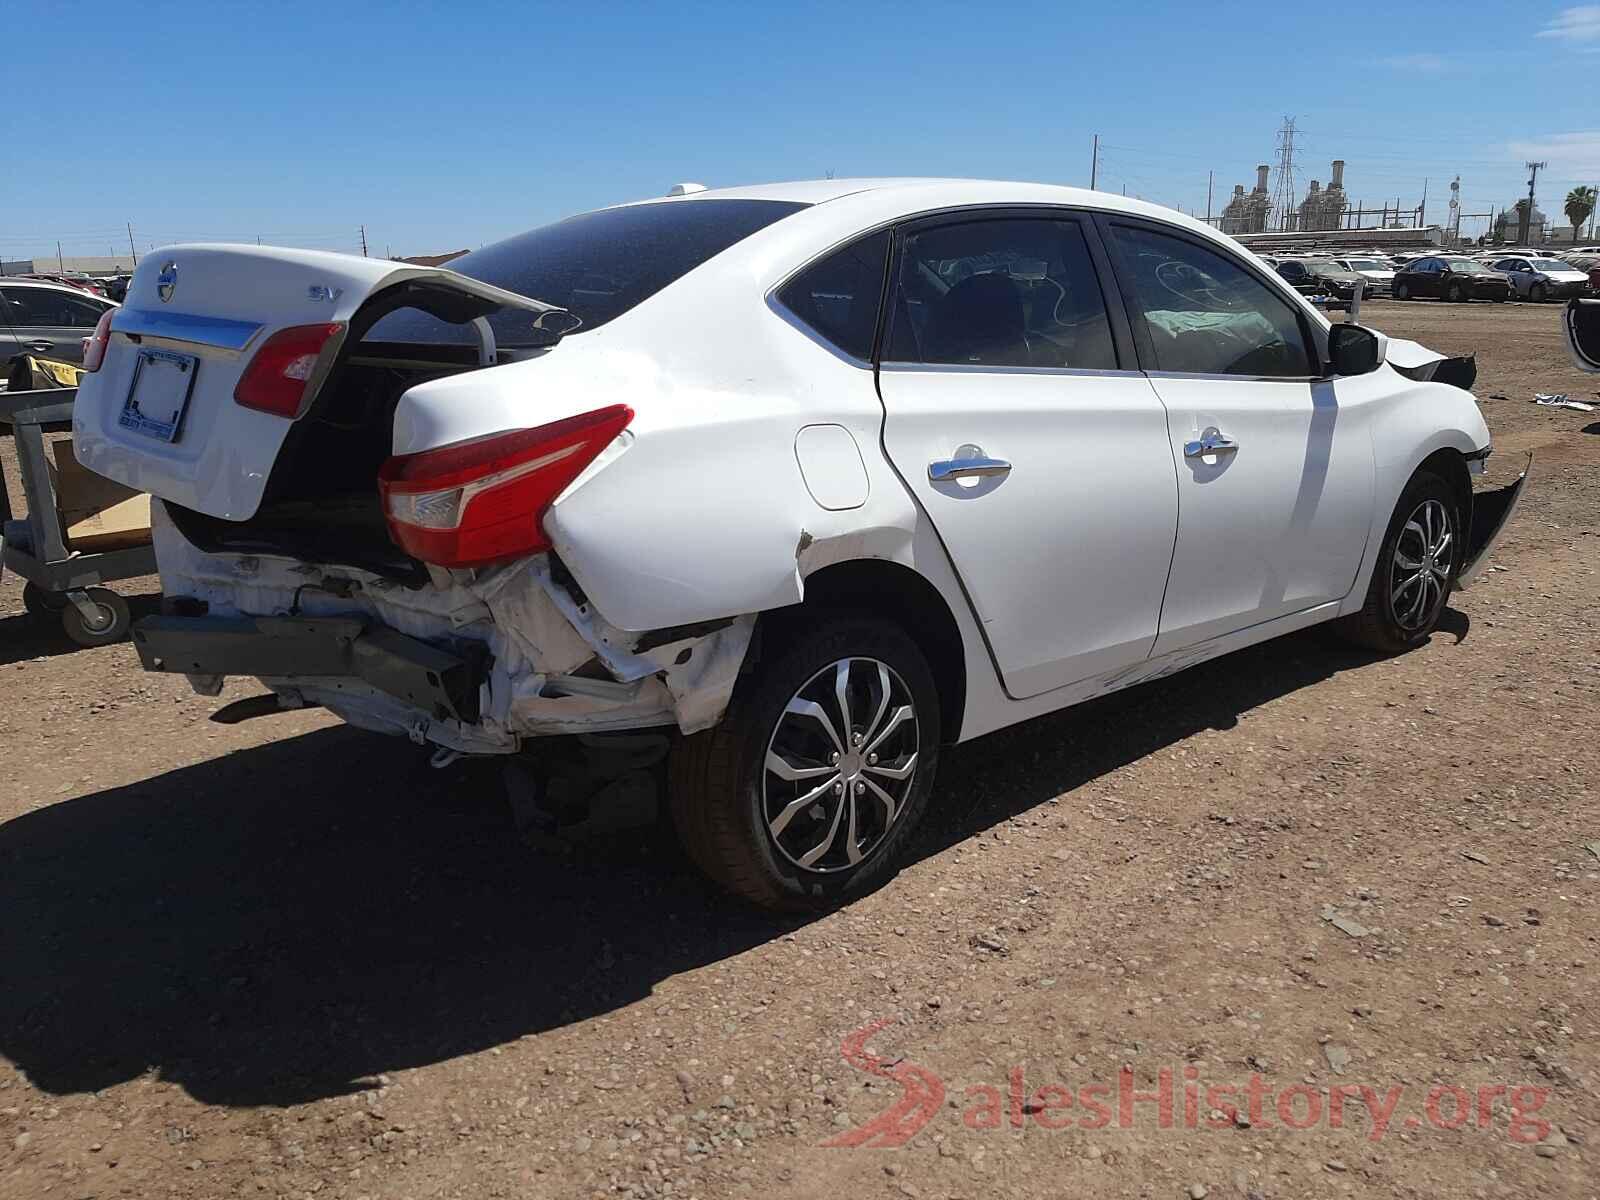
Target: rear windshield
596, 265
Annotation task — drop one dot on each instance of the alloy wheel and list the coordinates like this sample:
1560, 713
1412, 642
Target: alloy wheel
840, 765
1419, 576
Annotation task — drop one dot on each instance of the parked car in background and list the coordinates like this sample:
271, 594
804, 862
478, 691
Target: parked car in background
1542, 278
47, 320
1319, 277
1378, 273
789, 485
1450, 277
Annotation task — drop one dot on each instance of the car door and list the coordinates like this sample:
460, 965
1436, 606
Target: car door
1017, 417
1275, 474
52, 322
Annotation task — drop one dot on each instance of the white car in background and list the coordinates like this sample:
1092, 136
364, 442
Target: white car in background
793, 484
1378, 273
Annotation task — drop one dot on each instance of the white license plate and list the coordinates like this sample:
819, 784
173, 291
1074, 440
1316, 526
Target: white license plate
162, 382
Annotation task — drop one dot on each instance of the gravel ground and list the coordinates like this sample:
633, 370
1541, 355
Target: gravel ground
283, 957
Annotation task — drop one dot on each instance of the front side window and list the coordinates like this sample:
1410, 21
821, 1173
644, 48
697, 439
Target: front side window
838, 297
1205, 313
1002, 293
51, 308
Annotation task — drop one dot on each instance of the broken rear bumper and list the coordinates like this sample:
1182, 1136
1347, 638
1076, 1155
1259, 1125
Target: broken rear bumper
441, 683
1491, 513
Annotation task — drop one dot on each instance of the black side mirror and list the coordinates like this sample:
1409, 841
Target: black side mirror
1353, 350
1583, 334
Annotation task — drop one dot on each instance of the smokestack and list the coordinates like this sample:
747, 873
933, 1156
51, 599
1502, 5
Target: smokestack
1338, 174
1261, 177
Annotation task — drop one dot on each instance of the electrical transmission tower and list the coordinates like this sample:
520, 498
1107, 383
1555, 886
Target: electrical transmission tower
1283, 194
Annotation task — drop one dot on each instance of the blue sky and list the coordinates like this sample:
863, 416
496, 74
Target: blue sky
440, 126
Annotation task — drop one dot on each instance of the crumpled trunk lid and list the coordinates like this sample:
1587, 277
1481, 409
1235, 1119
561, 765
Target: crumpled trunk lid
160, 414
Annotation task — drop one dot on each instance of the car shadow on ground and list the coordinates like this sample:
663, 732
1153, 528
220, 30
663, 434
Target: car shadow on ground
284, 922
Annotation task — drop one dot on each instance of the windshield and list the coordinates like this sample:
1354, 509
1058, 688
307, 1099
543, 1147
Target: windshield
1330, 270
1465, 266
596, 265
1369, 264
1550, 264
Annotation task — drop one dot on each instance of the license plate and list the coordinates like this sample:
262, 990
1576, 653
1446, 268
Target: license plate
162, 382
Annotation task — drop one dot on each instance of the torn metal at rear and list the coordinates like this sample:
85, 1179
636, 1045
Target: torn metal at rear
549, 663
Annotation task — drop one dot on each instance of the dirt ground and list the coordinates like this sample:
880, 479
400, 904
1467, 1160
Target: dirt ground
287, 958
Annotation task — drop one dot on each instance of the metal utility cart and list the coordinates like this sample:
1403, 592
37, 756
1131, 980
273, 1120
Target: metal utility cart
61, 582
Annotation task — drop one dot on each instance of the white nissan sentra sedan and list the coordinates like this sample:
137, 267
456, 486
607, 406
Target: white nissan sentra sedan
773, 491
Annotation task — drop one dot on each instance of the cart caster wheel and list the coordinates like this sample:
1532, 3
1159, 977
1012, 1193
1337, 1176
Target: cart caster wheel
111, 625
40, 602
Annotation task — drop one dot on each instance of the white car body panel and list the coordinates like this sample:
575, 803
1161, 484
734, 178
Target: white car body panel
735, 482
222, 303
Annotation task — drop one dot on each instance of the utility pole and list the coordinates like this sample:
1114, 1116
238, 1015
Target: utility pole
1422, 211
1525, 226
1209, 175
1094, 162
61, 263
363, 241
131, 249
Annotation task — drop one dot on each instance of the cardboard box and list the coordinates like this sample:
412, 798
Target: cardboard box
97, 513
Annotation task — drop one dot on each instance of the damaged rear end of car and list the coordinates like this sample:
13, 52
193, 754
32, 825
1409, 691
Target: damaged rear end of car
339, 519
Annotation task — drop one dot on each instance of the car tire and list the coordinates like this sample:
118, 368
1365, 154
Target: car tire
1456, 294
738, 818
1537, 293
1402, 291
1395, 617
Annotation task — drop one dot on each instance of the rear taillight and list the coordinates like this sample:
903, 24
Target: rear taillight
484, 500
94, 346
276, 379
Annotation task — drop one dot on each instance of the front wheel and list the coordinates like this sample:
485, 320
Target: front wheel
1415, 571
1457, 294
809, 791
1537, 293
1402, 291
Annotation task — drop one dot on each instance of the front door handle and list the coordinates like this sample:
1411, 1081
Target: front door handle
969, 463
41, 347
1212, 441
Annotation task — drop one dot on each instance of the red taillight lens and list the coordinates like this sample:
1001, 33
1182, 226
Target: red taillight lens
484, 500
94, 346
276, 379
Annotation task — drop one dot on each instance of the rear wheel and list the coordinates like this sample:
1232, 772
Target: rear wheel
1415, 571
809, 791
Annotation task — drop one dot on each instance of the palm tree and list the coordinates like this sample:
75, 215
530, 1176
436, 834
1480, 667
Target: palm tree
1580, 203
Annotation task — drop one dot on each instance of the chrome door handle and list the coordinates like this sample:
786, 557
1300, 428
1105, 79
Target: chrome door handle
1212, 441
974, 467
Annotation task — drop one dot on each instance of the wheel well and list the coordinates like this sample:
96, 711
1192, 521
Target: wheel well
896, 593
1449, 465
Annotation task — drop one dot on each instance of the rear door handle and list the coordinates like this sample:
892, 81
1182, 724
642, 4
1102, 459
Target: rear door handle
969, 466
1212, 441
41, 347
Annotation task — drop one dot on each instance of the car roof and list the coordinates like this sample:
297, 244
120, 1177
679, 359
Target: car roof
50, 284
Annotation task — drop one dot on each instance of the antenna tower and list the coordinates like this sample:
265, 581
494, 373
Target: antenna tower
1283, 193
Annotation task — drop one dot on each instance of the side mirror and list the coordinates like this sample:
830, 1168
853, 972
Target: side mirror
1582, 327
1354, 349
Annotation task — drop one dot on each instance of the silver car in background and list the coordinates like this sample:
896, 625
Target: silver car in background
1534, 278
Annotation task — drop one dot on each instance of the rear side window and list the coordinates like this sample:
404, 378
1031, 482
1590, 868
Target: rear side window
596, 265
49, 307
1001, 293
838, 298
1206, 314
